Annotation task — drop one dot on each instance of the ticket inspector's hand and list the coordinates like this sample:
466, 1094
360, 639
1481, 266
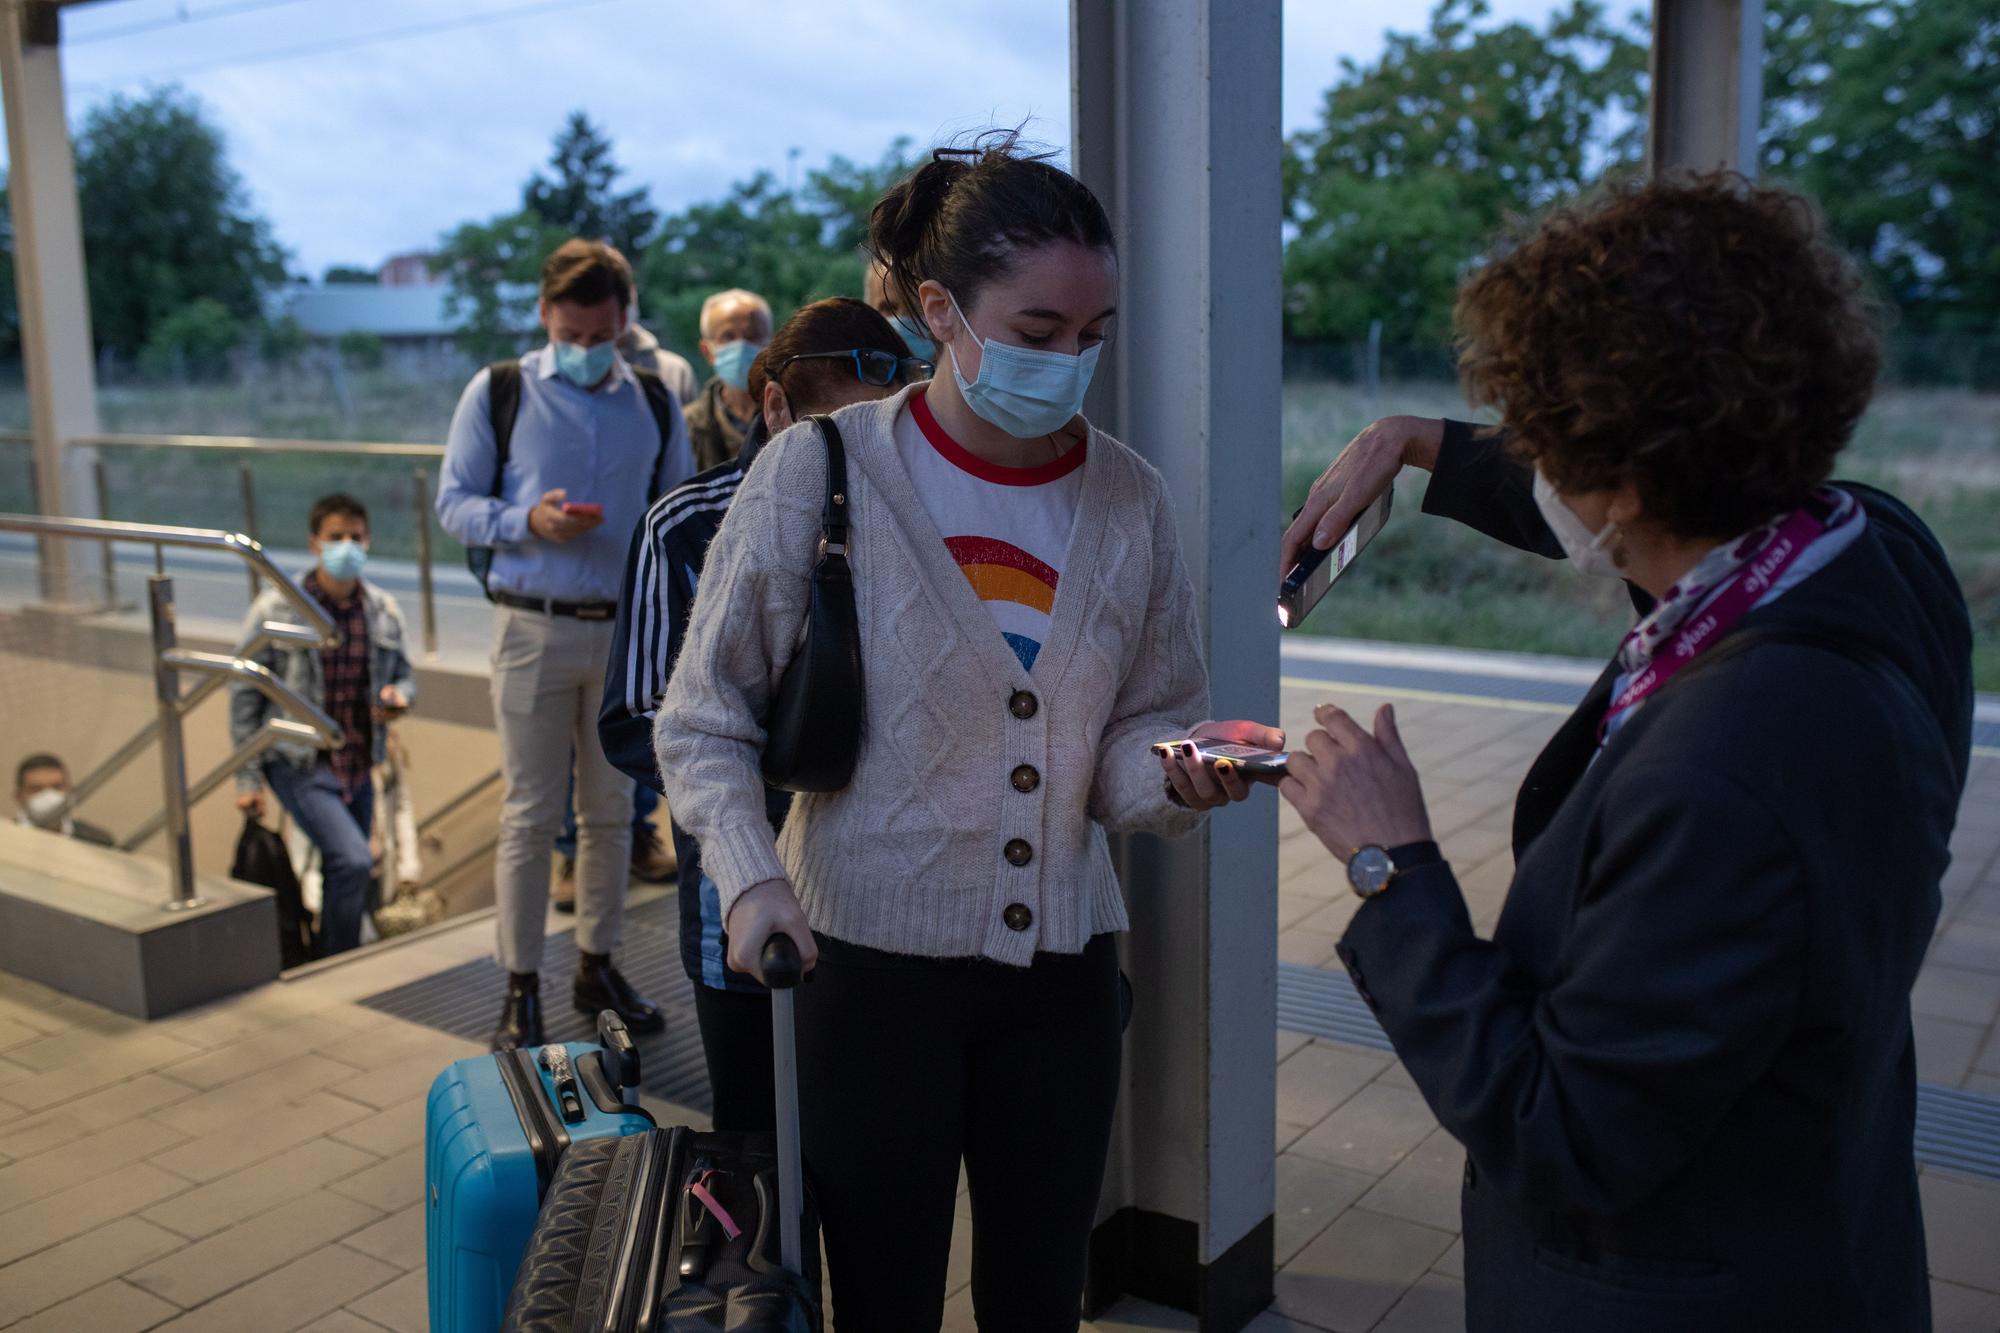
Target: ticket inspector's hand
548, 521
1199, 787
1354, 789
764, 910
1356, 479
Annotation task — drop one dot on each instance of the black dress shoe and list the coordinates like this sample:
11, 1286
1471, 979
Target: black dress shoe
520, 1014
599, 986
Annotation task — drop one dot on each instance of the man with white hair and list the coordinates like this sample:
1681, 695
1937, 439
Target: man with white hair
735, 325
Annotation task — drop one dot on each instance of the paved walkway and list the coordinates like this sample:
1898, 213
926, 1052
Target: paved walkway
257, 1165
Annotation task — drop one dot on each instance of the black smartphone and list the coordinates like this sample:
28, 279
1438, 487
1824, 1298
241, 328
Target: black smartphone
1255, 764
1307, 581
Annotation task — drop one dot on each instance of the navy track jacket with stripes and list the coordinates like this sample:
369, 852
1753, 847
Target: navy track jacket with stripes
662, 572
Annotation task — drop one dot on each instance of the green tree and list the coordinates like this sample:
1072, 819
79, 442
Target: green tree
350, 275
581, 199
166, 221
1422, 153
494, 266
193, 342
1886, 112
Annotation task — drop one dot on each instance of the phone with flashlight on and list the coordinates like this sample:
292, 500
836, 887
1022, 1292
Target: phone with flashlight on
1308, 580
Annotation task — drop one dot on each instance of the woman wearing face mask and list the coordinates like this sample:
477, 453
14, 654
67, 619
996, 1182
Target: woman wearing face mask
1027, 633
1682, 1068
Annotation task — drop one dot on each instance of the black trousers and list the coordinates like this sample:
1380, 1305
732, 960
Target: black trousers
736, 1040
907, 1066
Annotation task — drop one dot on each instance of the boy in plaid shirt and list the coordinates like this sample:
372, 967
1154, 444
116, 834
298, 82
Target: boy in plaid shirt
361, 682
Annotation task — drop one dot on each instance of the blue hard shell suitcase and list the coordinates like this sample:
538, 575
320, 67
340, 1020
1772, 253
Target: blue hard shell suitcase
495, 1129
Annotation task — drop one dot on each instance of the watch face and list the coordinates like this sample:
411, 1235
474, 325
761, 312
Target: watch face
1370, 871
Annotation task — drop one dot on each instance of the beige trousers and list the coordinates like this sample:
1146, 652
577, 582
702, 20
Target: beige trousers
548, 679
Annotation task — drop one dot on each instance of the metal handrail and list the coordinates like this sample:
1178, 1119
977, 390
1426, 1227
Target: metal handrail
259, 444
275, 731
169, 659
251, 444
159, 536
269, 633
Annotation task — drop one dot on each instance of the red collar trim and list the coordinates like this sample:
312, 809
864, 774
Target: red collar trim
966, 461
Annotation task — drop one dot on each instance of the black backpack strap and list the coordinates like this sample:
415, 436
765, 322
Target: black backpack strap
503, 404
660, 399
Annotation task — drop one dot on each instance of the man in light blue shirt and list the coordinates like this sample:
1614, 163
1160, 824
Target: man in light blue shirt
587, 454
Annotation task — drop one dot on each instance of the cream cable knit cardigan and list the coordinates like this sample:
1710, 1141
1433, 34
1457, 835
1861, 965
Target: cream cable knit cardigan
913, 856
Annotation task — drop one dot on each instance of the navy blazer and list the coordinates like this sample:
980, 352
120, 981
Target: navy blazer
1683, 1068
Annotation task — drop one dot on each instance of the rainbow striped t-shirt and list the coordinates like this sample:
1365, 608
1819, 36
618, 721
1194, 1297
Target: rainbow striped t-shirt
1007, 528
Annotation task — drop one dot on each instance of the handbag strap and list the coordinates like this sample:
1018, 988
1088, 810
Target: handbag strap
833, 518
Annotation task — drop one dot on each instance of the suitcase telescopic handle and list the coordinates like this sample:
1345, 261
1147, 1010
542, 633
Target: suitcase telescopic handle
782, 971
782, 967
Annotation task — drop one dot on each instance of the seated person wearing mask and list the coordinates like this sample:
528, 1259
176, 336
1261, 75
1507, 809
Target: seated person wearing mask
41, 796
361, 682
735, 325
829, 354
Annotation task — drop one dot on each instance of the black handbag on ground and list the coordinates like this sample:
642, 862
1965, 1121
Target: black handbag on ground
813, 732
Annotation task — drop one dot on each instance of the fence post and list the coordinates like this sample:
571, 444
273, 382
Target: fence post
249, 488
421, 489
101, 477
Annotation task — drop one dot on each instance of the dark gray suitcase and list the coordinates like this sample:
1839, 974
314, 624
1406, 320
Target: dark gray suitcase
674, 1231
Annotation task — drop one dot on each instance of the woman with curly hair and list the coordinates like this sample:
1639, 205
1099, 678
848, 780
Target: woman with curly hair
1682, 1068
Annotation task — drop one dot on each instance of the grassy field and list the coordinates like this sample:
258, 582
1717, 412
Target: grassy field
1423, 581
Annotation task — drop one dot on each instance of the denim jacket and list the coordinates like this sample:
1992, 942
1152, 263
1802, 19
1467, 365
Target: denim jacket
388, 664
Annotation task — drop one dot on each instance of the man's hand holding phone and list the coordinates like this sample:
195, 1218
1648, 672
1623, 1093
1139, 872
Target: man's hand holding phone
554, 520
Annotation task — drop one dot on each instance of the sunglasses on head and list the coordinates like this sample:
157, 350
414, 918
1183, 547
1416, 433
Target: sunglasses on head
872, 365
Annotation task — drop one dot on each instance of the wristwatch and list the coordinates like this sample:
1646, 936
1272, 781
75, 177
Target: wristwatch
1372, 869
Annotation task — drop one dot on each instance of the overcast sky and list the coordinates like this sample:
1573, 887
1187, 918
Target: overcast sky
362, 130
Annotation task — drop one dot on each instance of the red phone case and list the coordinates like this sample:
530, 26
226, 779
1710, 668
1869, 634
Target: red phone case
586, 510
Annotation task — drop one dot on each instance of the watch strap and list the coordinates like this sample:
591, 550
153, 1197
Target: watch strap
1415, 855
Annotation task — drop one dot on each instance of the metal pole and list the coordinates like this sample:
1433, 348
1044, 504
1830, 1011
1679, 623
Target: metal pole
249, 488
173, 755
101, 479
421, 486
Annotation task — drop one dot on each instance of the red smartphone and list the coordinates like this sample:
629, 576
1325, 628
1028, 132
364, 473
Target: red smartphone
583, 510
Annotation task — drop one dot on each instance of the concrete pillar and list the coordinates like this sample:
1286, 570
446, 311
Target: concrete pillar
1707, 85
1176, 122
48, 276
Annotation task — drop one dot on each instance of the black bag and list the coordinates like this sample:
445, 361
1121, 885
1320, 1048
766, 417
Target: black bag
261, 858
632, 1236
503, 404
813, 733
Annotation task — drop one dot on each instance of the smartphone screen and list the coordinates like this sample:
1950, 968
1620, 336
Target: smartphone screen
1308, 580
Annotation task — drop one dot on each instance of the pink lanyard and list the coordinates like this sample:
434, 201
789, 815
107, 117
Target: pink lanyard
1738, 596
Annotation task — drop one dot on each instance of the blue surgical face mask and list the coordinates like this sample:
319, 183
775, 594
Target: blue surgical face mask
1023, 390
732, 362
342, 559
916, 335
585, 366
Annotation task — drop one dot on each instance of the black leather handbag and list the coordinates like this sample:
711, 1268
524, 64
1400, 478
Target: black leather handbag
813, 733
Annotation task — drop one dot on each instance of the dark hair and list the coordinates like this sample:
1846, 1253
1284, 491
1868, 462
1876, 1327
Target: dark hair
35, 761
586, 272
963, 218
1696, 335
327, 506
836, 324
